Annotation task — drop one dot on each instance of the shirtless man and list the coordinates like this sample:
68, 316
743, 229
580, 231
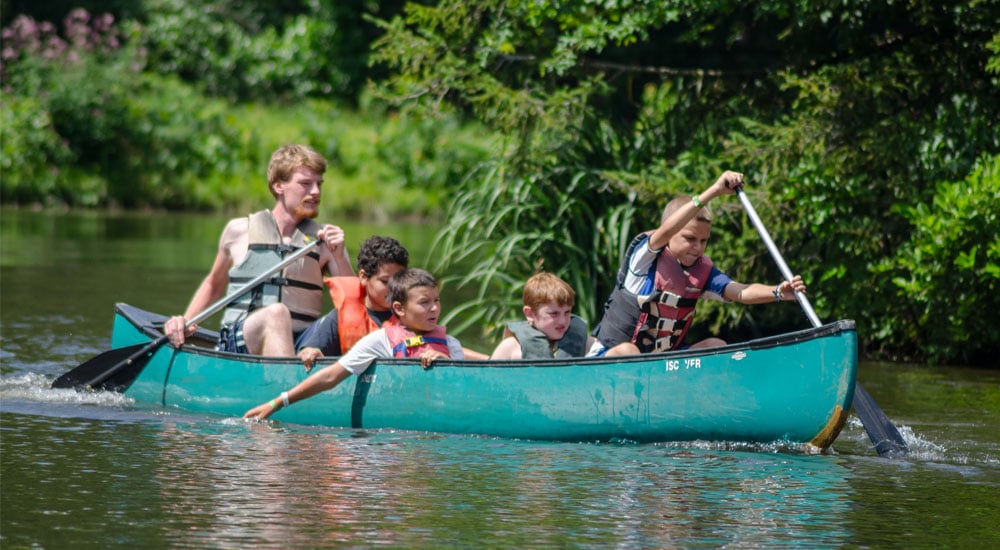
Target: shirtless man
267, 320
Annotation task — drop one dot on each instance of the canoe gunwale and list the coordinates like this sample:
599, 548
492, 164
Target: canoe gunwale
149, 324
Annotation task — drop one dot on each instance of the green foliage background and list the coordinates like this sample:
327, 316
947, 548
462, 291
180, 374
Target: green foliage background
180, 105
861, 125
551, 132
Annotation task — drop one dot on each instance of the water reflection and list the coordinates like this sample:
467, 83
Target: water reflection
265, 489
82, 466
231, 483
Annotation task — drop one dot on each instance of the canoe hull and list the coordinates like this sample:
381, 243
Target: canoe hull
796, 388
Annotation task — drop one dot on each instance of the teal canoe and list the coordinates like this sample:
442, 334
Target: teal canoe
795, 387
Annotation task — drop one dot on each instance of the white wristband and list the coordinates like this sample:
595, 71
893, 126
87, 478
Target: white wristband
284, 398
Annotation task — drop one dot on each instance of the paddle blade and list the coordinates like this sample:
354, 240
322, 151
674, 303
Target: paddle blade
104, 363
882, 432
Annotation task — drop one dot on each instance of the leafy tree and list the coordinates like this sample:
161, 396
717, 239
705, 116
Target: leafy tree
844, 116
89, 120
947, 274
263, 50
87, 128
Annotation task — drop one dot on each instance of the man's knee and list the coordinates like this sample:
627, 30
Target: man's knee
268, 318
268, 331
274, 312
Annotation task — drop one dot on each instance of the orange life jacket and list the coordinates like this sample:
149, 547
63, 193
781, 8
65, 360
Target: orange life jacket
353, 321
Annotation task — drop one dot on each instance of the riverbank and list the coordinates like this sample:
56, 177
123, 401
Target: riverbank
381, 166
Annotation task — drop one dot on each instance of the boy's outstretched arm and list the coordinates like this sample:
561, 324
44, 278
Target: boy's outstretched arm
757, 293
321, 380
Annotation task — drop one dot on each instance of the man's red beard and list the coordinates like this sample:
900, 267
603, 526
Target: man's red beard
302, 213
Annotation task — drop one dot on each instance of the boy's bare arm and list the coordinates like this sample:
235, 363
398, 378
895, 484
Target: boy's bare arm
319, 381
474, 355
757, 293
506, 349
725, 185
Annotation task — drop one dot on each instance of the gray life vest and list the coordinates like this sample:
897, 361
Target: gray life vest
535, 345
299, 286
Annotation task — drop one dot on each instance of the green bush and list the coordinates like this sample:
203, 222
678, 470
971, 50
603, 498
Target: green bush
64, 98
33, 152
117, 138
948, 271
84, 127
234, 50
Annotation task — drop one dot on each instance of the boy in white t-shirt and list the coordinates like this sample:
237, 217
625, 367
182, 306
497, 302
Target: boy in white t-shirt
415, 301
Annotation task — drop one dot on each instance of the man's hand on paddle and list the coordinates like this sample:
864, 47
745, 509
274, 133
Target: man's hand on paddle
333, 237
176, 331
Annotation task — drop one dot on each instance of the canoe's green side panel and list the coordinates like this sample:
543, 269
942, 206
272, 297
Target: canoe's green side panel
788, 392
124, 333
763, 395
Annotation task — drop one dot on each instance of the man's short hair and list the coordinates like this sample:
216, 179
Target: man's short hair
288, 158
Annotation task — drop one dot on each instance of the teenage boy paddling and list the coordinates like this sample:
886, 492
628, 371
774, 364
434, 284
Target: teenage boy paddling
664, 274
416, 303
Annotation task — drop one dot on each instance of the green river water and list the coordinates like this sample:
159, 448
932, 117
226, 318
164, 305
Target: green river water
95, 470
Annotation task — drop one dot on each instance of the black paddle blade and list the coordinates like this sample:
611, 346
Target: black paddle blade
884, 435
104, 363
